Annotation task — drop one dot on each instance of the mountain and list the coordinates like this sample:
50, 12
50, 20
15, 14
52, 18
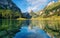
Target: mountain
53, 8
9, 5
33, 14
50, 3
26, 15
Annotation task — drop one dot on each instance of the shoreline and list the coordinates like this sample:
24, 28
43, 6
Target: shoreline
38, 18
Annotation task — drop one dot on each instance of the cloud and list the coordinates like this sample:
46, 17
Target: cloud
36, 1
31, 8
34, 4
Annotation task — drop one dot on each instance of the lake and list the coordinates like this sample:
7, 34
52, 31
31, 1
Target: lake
29, 28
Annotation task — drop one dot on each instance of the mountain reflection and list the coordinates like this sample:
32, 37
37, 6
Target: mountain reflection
27, 32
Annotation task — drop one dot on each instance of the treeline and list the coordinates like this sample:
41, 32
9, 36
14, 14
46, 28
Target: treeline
9, 14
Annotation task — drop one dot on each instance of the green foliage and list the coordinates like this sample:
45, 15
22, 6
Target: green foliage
53, 6
9, 14
8, 28
52, 9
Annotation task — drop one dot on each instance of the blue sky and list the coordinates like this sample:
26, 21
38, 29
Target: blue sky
35, 5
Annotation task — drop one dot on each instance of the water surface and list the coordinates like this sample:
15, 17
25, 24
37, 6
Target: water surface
29, 28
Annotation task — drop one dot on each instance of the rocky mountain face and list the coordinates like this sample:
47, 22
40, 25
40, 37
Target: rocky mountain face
8, 4
11, 7
26, 15
33, 14
50, 3
53, 8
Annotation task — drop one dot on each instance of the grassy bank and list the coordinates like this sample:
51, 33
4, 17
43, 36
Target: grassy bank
21, 19
41, 18
49, 18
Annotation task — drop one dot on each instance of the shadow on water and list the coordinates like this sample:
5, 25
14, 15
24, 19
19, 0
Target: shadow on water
27, 32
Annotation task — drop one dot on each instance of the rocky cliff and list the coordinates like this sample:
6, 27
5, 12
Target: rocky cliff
9, 6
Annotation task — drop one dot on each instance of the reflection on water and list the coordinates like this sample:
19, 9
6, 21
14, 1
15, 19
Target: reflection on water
8, 28
30, 28
26, 23
27, 32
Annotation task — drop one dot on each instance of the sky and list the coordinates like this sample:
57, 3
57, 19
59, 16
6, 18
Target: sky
28, 5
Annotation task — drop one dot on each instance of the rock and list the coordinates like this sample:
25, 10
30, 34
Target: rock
8, 4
